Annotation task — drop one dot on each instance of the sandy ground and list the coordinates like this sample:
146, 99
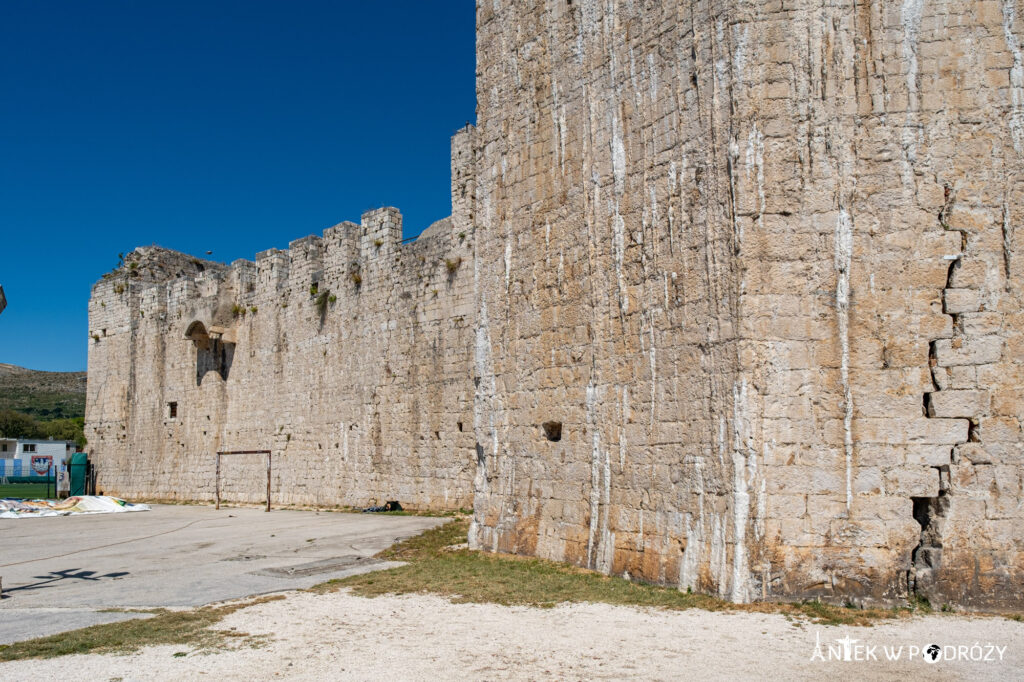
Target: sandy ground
340, 636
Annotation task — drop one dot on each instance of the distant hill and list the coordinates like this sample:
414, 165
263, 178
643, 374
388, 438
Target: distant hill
43, 395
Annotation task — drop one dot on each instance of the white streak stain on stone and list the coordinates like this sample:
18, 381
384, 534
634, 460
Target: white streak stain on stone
622, 428
508, 261
755, 165
718, 554
762, 493
618, 157
910, 17
486, 404
842, 261
689, 565
607, 537
652, 358
632, 79
721, 440
1016, 117
562, 135
742, 456
721, 63
619, 246
653, 76
344, 442
739, 57
595, 471
618, 151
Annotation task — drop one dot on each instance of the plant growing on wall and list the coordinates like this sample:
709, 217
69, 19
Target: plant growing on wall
237, 310
452, 264
322, 300
354, 273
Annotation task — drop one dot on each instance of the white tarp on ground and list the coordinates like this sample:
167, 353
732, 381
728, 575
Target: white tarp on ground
87, 504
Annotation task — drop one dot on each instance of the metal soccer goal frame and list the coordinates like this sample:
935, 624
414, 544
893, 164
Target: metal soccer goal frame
241, 452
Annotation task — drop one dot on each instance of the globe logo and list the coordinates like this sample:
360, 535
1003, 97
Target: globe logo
932, 653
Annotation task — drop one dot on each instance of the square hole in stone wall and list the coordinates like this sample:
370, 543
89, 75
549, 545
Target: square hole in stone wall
172, 410
552, 431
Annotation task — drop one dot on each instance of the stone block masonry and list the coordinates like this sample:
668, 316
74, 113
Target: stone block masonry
348, 355
759, 260
734, 304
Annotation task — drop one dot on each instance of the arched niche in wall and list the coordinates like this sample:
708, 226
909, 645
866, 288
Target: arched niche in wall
213, 352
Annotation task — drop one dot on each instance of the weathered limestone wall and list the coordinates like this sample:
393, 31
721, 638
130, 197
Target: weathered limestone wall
607, 297
730, 299
364, 400
877, 185
759, 260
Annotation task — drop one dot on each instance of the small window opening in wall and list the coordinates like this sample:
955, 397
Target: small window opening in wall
172, 410
552, 431
28, 447
460, 427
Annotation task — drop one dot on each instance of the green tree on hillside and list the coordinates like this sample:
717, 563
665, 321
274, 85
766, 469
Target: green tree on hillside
17, 425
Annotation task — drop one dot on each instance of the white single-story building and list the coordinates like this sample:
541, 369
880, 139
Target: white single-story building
16, 454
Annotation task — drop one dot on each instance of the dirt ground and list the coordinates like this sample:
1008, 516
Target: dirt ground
340, 636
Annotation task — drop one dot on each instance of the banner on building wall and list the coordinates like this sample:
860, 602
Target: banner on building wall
41, 464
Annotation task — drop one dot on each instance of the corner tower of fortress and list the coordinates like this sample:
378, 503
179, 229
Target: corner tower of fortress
759, 261
730, 299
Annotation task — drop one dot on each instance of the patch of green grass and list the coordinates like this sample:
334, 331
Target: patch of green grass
920, 603
192, 627
27, 491
465, 576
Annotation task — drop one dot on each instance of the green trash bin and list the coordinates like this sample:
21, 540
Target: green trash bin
79, 469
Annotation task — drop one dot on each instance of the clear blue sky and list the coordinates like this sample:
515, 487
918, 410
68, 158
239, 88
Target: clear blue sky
209, 125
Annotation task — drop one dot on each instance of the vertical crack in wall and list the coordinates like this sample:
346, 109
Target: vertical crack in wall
930, 512
1007, 227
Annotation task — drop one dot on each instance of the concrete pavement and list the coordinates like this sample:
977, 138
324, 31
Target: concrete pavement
60, 573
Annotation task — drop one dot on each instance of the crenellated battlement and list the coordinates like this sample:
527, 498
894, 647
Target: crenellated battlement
355, 262
351, 260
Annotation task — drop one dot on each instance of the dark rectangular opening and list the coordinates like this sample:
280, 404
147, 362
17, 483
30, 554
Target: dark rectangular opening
552, 431
172, 410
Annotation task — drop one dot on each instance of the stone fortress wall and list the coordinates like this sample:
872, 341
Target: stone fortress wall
739, 310
364, 397
759, 260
